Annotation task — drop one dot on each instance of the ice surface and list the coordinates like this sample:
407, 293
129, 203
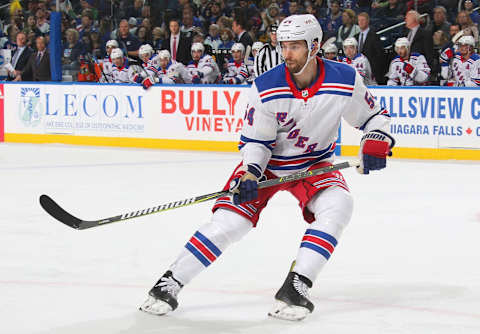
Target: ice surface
407, 263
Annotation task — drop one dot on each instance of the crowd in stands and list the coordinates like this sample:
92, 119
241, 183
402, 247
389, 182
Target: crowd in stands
216, 41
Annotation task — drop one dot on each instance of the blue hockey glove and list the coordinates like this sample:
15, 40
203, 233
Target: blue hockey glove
244, 185
374, 148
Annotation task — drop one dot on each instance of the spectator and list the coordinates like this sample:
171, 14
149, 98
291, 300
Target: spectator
394, 10
420, 40
21, 56
87, 43
225, 22
148, 26
454, 29
333, 21
158, 36
32, 26
214, 13
132, 25
72, 48
42, 22
31, 37
38, 65
466, 24
370, 46
439, 21
90, 5
468, 6
9, 42
177, 43
142, 36
97, 50
241, 34
440, 39
227, 39
213, 38
86, 26
188, 26
126, 40
270, 16
348, 28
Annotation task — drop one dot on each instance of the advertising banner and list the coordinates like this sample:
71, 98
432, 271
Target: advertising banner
430, 117
191, 113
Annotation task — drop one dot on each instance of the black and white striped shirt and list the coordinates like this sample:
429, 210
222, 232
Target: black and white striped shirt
267, 57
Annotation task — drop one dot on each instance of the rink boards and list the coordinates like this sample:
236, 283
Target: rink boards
427, 122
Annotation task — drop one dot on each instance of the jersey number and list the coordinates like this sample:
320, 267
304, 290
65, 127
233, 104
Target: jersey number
249, 115
369, 99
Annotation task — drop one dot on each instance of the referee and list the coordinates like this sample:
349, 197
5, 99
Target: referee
270, 55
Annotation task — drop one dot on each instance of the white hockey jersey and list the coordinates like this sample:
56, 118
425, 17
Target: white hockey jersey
107, 75
462, 72
397, 76
174, 72
239, 72
287, 130
124, 74
208, 67
362, 65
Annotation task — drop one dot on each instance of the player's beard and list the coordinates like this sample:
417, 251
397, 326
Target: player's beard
294, 66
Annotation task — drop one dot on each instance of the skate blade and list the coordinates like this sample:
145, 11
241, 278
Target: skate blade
284, 311
155, 306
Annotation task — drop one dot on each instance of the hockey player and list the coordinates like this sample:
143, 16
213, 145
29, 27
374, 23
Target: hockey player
238, 72
107, 62
203, 68
407, 69
121, 71
256, 47
291, 124
330, 52
150, 61
465, 65
270, 55
357, 60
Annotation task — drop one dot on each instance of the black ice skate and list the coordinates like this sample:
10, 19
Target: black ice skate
292, 298
163, 296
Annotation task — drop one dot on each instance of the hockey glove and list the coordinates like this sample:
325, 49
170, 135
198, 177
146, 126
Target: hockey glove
197, 78
374, 148
229, 81
244, 184
408, 68
147, 83
137, 78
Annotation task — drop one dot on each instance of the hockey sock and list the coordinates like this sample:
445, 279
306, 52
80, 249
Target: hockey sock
208, 243
333, 209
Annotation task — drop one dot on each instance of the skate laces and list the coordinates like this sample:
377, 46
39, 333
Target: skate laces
169, 285
300, 286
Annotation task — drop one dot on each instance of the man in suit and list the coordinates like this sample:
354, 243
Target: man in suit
38, 65
241, 34
20, 57
178, 44
421, 41
370, 46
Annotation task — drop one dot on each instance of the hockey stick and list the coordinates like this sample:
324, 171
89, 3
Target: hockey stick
57, 212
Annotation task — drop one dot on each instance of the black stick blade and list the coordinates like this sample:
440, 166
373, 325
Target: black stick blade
58, 213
